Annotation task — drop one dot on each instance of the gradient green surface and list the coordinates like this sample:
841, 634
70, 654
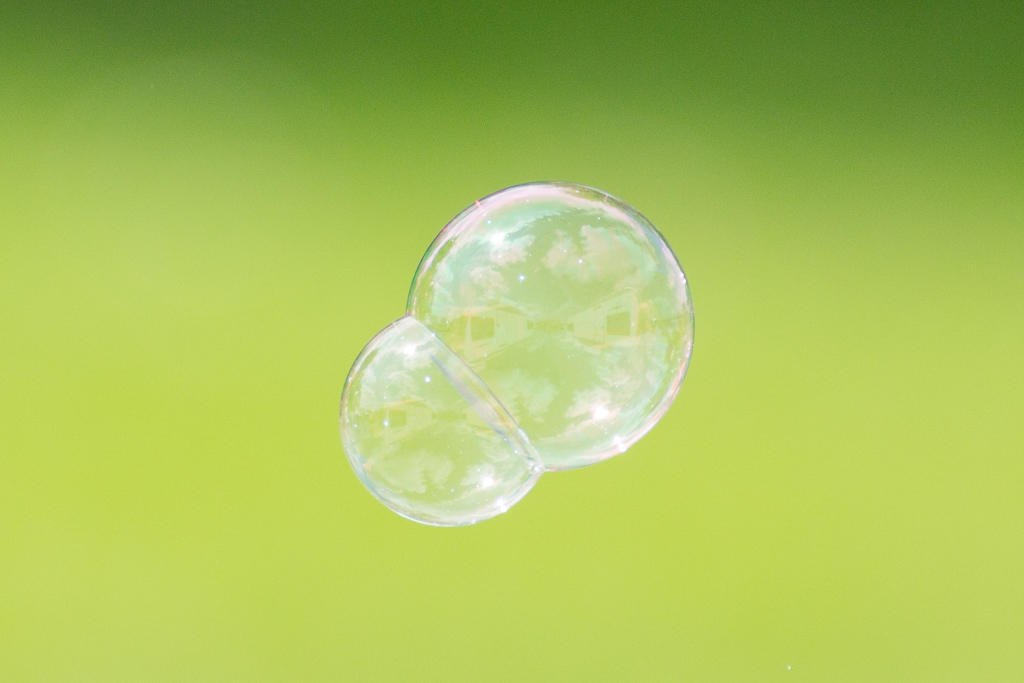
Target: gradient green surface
206, 212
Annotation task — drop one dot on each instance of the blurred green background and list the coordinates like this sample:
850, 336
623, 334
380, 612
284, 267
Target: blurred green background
206, 209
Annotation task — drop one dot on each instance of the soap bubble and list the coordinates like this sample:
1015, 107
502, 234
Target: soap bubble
427, 437
548, 326
569, 305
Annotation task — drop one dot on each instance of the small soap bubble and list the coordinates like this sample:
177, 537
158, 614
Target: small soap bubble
549, 326
444, 453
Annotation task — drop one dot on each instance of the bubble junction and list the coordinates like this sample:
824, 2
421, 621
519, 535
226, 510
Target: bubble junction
548, 326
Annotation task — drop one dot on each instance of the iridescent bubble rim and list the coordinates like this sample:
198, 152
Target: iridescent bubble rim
506, 196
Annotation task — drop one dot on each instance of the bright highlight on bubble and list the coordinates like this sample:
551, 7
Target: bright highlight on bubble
556, 324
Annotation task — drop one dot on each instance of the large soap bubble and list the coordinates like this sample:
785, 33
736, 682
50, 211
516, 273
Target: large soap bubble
563, 324
570, 306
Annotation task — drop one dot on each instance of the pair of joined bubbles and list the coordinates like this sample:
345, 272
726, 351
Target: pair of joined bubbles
548, 327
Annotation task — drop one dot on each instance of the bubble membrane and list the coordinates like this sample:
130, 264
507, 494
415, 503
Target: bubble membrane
427, 437
570, 306
549, 326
